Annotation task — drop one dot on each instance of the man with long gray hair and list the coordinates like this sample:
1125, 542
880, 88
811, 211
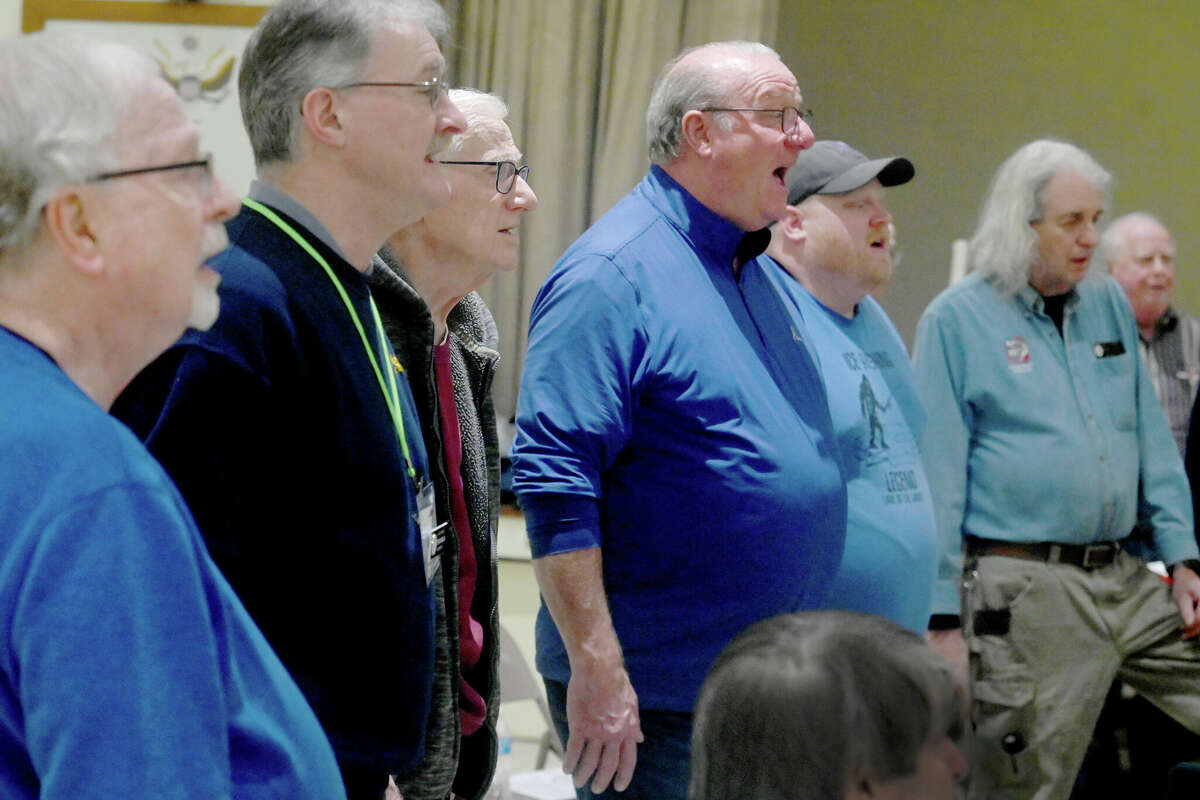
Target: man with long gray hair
128, 667
1048, 446
674, 456
289, 426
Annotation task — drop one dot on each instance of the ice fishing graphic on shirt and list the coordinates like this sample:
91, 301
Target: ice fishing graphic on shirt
871, 408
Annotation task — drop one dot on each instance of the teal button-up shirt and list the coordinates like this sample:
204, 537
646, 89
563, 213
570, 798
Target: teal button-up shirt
1033, 436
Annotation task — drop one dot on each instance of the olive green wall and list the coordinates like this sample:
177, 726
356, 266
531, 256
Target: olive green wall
958, 86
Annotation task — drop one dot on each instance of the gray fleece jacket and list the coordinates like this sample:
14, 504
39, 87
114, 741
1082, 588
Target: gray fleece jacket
451, 761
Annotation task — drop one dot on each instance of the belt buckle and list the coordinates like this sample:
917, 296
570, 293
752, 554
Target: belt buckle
1097, 555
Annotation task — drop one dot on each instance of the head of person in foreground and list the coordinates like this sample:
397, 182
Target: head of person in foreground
828, 705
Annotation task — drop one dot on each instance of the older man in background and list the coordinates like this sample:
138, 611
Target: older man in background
1049, 446
674, 454
1139, 251
288, 426
128, 666
834, 249
444, 334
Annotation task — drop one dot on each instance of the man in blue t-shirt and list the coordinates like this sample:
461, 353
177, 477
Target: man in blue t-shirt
833, 245
128, 667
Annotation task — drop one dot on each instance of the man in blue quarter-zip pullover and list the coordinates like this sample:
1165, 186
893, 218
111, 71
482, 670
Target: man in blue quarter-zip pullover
289, 426
674, 455
1046, 445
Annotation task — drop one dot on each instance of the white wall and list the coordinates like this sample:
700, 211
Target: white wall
10, 17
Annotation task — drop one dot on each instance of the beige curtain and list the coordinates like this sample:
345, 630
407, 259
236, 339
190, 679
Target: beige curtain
577, 75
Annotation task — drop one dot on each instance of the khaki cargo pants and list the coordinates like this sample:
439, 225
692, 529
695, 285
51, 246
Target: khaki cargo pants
1045, 642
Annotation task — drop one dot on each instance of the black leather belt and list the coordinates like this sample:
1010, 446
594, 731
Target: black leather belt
1088, 556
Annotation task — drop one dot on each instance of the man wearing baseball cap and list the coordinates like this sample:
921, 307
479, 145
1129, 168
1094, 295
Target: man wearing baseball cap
833, 247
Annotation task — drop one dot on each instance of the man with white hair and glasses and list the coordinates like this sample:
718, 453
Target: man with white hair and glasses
444, 334
675, 456
1046, 445
128, 666
289, 426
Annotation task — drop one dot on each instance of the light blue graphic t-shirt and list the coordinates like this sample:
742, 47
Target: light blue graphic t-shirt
890, 560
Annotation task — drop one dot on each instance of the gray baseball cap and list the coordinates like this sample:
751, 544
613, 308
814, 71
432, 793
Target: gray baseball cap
831, 167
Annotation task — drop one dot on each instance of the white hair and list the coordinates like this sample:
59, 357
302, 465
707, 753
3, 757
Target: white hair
1112, 242
62, 98
482, 110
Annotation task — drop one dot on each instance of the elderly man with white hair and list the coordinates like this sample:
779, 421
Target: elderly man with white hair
444, 335
128, 667
1047, 446
1139, 252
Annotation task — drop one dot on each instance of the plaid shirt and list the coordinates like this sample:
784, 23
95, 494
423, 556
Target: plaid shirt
1172, 357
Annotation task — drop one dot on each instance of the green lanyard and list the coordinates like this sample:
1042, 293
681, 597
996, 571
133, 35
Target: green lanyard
391, 393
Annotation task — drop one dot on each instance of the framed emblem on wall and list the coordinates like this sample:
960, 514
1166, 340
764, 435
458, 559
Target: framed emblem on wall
198, 48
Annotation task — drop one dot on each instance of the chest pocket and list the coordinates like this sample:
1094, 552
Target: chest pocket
1115, 389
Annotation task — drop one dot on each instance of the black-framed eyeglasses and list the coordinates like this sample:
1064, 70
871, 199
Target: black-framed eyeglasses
789, 117
506, 172
203, 165
433, 88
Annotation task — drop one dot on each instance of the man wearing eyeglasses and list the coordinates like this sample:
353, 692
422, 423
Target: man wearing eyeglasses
128, 666
675, 456
289, 426
425, 281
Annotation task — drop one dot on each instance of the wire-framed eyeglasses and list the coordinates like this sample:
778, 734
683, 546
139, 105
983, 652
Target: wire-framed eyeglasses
789, 117
506, 172
433, 88
203, 166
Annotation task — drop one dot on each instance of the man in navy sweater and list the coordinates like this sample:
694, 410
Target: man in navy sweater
289, 426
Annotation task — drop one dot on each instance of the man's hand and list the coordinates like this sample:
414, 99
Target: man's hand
602, 708
953, 648
602, 716
1185, 586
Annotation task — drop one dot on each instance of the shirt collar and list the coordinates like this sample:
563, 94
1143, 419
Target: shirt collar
707, 230
273, 196
1166, 323
1031, 299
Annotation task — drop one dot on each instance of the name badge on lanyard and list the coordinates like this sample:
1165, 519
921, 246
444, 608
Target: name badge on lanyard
433, 536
